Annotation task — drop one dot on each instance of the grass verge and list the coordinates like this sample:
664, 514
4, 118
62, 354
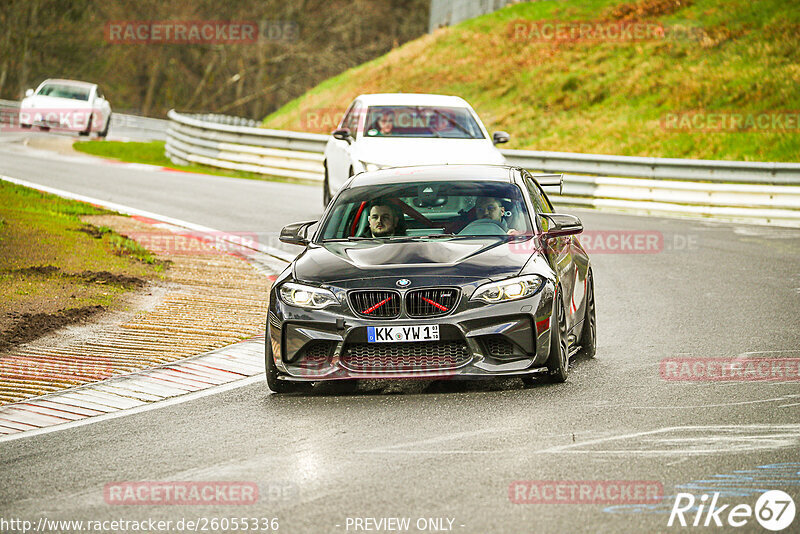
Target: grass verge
56, 269
152, 153
605, 95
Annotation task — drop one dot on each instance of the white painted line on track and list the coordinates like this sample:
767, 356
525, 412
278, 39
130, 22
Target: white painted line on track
146, 408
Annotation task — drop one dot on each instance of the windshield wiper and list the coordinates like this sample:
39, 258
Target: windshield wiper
428, 236
346, 239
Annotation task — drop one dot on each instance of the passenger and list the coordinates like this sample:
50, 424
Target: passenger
383, 125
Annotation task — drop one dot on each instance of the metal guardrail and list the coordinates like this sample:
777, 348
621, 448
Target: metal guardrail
753, 192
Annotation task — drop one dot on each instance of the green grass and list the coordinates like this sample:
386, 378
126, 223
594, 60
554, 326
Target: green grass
49, 257
152, 153
606, 97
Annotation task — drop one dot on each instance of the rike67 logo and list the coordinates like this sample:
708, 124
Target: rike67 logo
774, 510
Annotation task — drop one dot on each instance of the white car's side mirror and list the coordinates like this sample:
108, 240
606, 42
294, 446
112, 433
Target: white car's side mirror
28, 92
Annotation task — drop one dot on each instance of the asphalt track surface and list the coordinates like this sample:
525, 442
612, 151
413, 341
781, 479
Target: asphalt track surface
421, 450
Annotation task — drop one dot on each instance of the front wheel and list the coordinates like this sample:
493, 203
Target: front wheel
558, 362
275, 384
588, 341
326, 188
104, 132
88, 129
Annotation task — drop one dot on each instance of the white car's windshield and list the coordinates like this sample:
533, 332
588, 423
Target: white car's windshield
427, 210
421, 121
64, 91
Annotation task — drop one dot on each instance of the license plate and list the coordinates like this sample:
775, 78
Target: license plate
388, 334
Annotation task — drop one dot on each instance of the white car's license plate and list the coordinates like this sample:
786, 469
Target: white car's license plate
386, 334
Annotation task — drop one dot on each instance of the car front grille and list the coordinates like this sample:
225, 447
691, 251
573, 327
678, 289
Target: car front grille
404, 357
376, 304
431, 302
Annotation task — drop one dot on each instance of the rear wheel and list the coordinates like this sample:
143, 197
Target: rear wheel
558, 362
588, 341
275, 384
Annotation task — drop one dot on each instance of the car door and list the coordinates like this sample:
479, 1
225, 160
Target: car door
559, 252
337, 152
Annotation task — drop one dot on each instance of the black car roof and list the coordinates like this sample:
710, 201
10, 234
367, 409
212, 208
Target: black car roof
428, 173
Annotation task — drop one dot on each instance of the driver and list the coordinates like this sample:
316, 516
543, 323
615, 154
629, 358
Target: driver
385, 219
491, 208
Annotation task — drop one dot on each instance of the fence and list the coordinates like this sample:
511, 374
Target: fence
754, 192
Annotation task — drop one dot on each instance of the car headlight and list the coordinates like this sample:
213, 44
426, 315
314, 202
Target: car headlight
369, 167
511, 289
306, 296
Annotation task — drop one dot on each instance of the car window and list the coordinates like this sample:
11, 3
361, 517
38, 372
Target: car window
540, 200
350, 120
421, 121
465, 209
64, 91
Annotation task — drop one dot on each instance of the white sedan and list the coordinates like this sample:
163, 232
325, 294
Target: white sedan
403, 129
66, 105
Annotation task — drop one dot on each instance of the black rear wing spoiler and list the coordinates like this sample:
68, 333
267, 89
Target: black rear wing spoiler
550, 181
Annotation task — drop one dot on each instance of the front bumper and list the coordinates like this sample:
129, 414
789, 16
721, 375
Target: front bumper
504, 339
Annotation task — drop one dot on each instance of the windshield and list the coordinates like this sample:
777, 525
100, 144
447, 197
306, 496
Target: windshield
65, 91
421, 121
427, 210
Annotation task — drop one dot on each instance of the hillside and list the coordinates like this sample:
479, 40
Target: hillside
710, 79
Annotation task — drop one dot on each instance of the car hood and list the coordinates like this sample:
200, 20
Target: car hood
465, 259
403, 152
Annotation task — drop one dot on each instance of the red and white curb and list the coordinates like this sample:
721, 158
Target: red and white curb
220, 370
233, 366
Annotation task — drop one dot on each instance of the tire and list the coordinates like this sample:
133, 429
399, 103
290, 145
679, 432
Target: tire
274, 384
88, 129
588, 341
104, 133
326, 189
558, 362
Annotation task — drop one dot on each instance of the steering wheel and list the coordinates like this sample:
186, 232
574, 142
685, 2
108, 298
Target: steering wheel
483, 227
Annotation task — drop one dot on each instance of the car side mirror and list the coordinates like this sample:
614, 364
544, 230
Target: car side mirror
561, 224
28, 92
296, 233
343, 134
498, 138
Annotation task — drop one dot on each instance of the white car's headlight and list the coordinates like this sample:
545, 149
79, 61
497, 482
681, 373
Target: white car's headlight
511, 289
306, 296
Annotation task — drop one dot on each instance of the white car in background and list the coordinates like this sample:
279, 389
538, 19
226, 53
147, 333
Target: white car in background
66, 105
403, 129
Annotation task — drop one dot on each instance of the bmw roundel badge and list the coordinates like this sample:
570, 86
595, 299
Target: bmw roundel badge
403, 282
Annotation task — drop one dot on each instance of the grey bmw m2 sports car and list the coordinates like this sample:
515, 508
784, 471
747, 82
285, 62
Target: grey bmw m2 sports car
452, 271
